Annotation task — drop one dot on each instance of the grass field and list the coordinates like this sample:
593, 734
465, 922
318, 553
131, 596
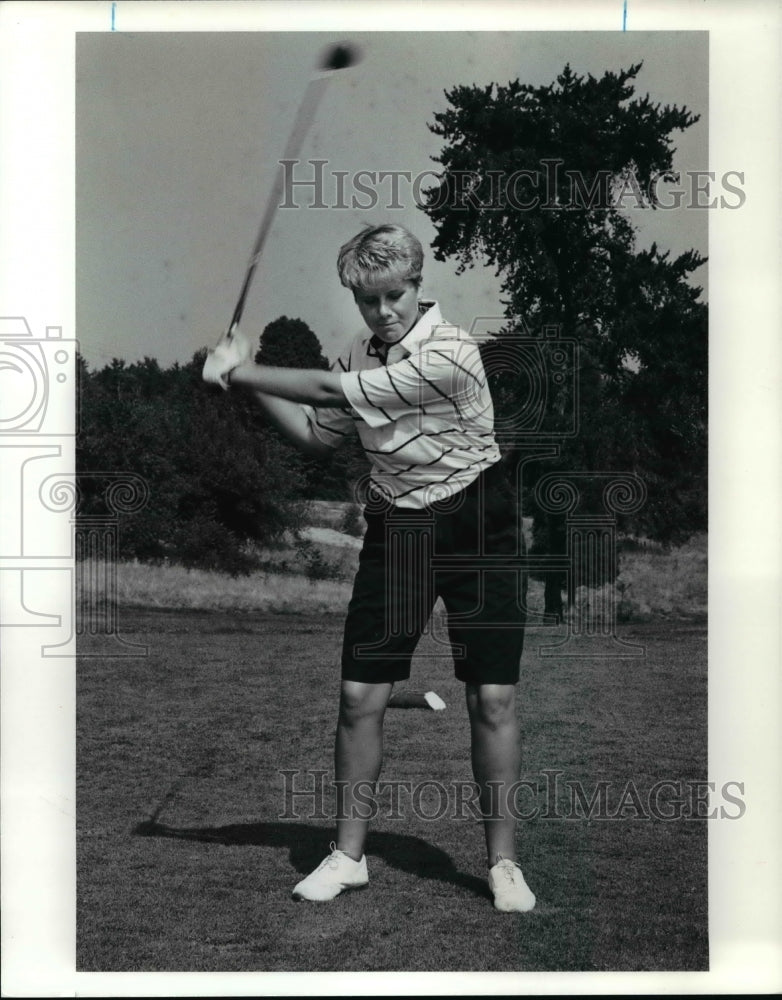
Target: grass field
185, 864
652, 585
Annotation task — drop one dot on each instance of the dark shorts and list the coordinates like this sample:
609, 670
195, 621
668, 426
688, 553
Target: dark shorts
466, 550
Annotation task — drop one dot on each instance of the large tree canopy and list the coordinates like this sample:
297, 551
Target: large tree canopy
534, 179
534, 183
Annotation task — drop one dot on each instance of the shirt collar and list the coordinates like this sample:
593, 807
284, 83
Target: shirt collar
419, 331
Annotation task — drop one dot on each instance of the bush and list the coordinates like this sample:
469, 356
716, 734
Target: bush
317, 567
204, 544
215, 479
352, 522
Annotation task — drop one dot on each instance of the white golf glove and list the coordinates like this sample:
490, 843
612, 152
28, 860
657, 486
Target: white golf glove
232, 350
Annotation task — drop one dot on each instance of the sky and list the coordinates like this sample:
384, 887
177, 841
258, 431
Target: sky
178, 138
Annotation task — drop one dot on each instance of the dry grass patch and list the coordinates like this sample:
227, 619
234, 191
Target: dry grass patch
139, 585
314, 575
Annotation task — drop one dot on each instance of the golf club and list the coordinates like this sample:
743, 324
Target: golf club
334, 58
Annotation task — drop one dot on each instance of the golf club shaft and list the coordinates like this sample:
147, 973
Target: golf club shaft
301, 125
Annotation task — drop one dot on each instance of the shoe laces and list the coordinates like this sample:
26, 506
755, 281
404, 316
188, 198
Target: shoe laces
508, 867
332, 861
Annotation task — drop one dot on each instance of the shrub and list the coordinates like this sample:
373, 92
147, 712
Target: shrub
352, 522
215, 478
203, 543
316, 566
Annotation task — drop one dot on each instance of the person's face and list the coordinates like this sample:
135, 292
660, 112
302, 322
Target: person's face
389, 307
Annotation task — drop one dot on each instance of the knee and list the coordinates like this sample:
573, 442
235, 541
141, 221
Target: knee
359, 702
492, 705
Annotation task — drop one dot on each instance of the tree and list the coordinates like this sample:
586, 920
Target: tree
214, 483
533, 184
290, 343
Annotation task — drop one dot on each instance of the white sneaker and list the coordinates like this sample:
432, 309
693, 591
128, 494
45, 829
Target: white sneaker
333, 875
511, 892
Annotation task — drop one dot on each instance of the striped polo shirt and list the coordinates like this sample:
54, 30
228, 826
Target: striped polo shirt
421, 407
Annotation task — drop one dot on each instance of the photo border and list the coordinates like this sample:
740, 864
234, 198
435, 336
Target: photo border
38, 703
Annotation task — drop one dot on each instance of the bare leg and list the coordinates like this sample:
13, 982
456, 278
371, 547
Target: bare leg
358, 755
496, 759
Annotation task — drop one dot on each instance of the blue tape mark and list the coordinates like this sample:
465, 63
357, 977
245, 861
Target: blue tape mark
114, 12
624, 16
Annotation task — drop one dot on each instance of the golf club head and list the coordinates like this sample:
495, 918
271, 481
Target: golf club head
340, 57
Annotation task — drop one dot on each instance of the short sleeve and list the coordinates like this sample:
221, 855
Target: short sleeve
331, 425
444, 370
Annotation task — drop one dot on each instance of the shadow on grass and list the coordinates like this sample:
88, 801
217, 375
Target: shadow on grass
305, 848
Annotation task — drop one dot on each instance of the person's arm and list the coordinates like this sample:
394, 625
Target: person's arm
229, 363
291, 420
299, 385
281, 392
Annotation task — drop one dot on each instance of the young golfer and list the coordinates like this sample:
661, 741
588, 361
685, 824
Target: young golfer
414, 388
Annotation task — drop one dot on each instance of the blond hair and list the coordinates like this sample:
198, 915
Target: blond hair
378, 251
